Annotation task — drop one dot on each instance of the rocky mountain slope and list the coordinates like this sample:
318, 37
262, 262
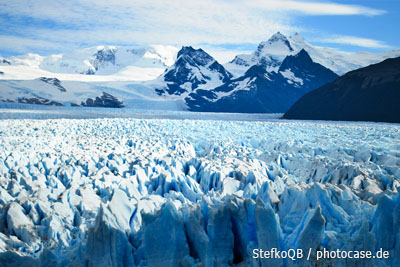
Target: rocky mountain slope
193, 69
260, 91
367, 94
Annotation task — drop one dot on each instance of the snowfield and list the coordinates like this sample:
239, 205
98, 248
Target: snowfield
163, 192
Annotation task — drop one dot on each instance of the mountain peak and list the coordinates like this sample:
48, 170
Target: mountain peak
301, 59
193, 69
301, 68
277, 36
278, 40
303, 55
269, 52
186, 50
297, 41
192, 52
194, 57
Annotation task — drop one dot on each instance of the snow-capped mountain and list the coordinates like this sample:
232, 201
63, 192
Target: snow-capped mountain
271, 53
268, 54
260, 91
193, 69
105, 60
163, 77
52, 91
100, 60
305, 74
30, 59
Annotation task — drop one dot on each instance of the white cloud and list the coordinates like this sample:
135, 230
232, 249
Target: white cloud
23, 45
77, 23
356, 41
317, 8
223, 55
151, 21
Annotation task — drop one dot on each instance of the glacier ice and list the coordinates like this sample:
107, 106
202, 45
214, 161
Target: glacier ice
189, 192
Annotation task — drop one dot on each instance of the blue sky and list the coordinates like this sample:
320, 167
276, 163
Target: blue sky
225, 27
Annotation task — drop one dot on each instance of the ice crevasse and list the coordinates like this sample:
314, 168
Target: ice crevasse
133, 192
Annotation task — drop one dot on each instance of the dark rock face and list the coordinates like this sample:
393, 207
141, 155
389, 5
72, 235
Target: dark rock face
256, 94
106, 101
89, 72
38, 101
367, 94
7, 100
239, 61
5, 62
188, 71
53, 81
103, 57
313, 74
259, 91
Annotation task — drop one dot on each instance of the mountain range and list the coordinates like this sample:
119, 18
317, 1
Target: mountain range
271, 79
99, 60
260, 91
271, 53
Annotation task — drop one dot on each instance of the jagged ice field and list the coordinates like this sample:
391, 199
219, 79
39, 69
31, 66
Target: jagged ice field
191, 192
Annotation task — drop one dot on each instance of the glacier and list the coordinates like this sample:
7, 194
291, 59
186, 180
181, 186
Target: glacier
195, 191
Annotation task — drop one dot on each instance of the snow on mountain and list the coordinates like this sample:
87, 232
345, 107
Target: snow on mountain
194, 69
52, 91
30, 59
140, 63
271, 53
260, 91
130, 73
304, 73
195, 79
337, 61
31, 91
105, 60
136, 192
186, 76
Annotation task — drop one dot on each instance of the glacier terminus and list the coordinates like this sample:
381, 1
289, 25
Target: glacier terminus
196, 192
